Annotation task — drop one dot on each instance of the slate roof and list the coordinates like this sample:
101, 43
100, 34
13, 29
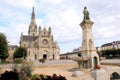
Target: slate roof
12, 47
29, 38
109, 44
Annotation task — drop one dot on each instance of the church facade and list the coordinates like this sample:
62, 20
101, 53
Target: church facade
39, 42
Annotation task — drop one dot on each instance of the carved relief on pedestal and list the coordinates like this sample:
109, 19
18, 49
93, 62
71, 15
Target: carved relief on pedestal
90, 44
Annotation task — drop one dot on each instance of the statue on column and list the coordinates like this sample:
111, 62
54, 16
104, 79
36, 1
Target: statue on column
86, 14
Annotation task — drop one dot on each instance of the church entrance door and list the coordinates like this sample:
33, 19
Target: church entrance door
44, 56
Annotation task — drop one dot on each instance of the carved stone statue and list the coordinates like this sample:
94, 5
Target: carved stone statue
86, 14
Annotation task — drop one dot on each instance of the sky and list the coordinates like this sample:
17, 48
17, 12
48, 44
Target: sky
64, 17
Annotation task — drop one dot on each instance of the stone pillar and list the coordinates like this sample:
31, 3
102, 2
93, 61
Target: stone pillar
88, 49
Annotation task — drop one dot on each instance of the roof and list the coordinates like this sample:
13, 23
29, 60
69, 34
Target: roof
13, 47
109, 44
29, 38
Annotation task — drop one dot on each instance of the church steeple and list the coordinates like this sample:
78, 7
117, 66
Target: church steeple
33, 15
33, 26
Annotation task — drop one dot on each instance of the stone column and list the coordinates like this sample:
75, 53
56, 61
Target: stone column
88, 49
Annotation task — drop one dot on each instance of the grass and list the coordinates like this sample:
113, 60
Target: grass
6, 62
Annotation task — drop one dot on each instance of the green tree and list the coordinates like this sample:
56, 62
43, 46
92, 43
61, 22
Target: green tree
3, 47
79, 54
111, 53
20, 52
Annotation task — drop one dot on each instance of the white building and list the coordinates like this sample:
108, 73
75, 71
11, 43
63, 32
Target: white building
111, 45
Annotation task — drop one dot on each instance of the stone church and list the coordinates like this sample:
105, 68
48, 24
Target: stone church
39, 42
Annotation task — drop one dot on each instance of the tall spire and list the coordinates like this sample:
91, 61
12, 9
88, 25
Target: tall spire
33, 14
33, 26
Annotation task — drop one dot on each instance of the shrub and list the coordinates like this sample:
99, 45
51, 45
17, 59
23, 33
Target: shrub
15, 67
18, 60
42, 60
36, 77
12, 75
43, 76
46, 77
26, 69
59, 77
9, 75
79, 54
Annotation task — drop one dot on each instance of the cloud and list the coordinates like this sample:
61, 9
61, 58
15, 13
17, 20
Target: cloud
106, 26
39, 22
19, 3
65, 24
56, 2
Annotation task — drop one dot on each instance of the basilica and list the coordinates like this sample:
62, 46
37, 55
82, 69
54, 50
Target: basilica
39, 42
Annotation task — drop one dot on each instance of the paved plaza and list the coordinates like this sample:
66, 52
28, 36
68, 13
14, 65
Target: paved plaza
47, 63
61, 62
114, 62
62, 67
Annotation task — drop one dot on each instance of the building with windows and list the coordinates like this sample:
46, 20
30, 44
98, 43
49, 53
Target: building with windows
11, 50
70, 55
111, 45
39, 42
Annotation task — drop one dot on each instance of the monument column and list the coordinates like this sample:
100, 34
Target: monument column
88, 49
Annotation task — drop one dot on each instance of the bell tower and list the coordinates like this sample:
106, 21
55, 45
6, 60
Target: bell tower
33, 26
88, 49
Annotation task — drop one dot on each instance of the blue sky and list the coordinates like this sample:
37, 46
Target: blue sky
63, 16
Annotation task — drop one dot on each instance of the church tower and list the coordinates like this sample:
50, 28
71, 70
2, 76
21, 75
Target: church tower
33, 26
88, 49
39, 43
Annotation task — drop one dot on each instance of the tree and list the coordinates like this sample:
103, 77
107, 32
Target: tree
111, 53
20, 52
3, 47
79, 54
9, 75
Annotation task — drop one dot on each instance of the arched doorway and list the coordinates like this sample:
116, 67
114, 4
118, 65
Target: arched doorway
115, 76
45, 54
95, 61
